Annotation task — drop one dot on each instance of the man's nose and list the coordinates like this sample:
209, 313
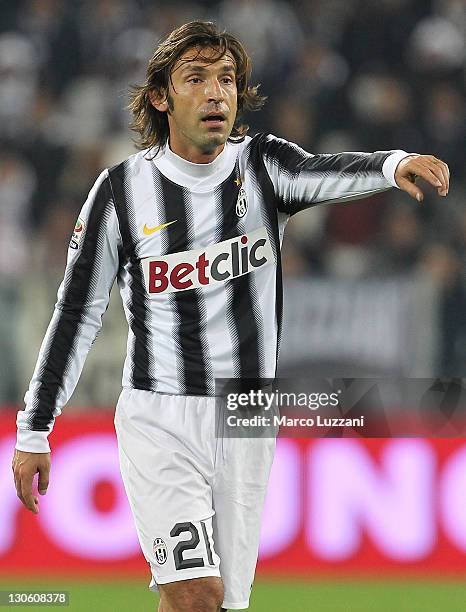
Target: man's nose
213, 90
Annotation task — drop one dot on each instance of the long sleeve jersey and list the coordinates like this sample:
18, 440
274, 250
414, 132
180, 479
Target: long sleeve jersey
195, 249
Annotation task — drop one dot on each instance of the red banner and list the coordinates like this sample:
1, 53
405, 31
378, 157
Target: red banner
346, 507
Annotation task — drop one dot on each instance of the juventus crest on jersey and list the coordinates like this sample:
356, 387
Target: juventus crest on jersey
195, 249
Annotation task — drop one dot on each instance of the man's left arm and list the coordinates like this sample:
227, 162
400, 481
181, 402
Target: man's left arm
302, 180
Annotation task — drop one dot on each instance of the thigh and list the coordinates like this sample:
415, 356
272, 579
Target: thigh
238, 497
168, 483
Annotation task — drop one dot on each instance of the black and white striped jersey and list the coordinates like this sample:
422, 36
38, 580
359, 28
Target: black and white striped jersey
195, 249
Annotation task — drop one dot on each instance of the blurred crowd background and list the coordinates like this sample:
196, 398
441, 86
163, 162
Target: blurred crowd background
340, 75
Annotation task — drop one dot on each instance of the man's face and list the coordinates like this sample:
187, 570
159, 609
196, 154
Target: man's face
201, 103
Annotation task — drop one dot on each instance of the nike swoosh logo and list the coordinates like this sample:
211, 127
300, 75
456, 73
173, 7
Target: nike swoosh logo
151, 230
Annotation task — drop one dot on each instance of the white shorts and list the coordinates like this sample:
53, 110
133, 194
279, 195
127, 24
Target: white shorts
196, 496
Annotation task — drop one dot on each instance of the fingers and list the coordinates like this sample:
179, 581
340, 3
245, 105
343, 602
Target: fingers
441, 171
425, 172
16, 474
445, 172
17, 484
43, 479
27, 497
432, 170
411, 188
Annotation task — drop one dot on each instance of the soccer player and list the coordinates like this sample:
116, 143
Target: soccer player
191, 228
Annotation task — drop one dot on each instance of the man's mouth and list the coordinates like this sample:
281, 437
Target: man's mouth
214, 119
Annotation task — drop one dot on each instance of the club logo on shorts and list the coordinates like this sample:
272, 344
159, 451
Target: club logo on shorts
241, 203
160, 551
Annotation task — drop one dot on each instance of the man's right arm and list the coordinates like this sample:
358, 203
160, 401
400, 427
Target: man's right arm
92, 265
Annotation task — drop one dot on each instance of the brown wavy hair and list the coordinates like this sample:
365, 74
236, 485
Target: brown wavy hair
151, 124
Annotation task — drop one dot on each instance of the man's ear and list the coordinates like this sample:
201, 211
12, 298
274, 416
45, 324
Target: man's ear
158, 100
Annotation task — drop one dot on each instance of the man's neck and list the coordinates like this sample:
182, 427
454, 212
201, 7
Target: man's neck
193, 154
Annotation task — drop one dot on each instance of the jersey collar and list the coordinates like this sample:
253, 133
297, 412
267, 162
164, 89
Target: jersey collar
196, 170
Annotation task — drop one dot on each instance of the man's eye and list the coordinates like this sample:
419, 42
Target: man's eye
227, 80
194, 80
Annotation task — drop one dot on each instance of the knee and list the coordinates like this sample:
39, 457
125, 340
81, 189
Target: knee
196, 595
